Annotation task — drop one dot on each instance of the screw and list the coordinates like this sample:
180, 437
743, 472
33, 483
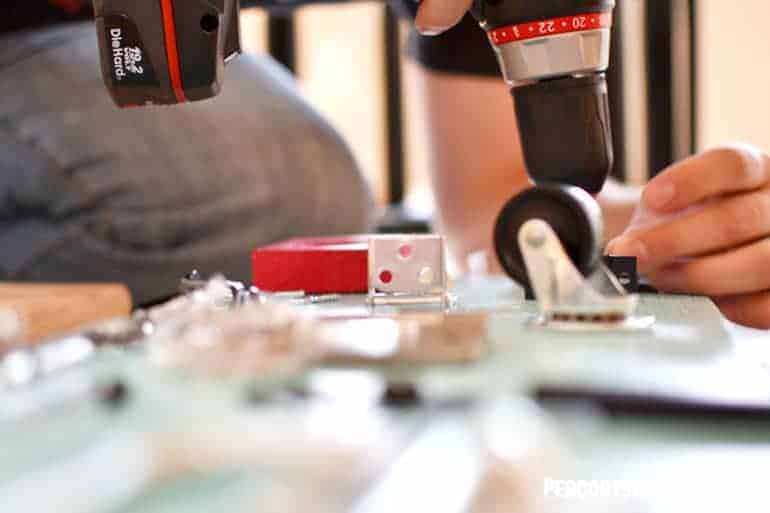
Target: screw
400, 395
323, 298
115, 394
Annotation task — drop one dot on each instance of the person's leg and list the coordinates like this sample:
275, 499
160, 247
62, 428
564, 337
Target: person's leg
88, 192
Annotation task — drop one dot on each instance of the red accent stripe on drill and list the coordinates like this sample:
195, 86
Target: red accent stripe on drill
544, 28
315, 265
71, 6
172, 52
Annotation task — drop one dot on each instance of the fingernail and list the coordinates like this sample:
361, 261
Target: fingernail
429, 31
624, 246
658, 198
609, 249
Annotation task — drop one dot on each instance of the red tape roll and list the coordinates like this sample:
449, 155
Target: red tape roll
315, 265
544, 28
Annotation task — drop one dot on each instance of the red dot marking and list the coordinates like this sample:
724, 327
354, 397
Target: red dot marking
386, 277
405, 251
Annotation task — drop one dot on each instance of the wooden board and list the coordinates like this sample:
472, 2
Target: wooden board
47, 310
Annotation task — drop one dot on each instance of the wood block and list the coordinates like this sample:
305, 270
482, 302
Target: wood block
47, 310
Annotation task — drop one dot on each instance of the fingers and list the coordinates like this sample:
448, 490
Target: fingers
721, 225
436, 16
751, 310
709, 232
713, 173
742, 271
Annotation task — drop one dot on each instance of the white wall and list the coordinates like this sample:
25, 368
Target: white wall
340, 71
733, 72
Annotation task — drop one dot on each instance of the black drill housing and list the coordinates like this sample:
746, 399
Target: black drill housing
133, 40
565, 131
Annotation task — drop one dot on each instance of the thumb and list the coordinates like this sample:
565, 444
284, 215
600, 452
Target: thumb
642, 220
436, 16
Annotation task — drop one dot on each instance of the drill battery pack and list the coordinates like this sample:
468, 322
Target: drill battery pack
163, 52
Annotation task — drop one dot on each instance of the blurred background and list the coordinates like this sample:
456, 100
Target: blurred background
688, 74
347, 58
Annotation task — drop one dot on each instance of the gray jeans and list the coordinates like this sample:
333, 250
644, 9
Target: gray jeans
91, 193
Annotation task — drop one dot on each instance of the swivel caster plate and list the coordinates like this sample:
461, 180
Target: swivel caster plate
549, 238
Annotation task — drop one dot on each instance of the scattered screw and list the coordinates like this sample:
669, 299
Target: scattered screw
321, 298
400, 395
115, 394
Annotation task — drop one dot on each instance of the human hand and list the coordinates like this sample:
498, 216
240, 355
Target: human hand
436, 16
703, 227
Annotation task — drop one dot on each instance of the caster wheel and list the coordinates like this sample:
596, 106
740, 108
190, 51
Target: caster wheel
572, 213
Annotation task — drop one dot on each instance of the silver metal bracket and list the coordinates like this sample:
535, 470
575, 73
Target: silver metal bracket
407, 270
566, 299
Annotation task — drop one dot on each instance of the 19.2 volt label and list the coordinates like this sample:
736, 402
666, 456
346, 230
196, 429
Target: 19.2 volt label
129, 61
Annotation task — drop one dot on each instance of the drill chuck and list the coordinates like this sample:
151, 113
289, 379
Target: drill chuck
565, 127
553, 54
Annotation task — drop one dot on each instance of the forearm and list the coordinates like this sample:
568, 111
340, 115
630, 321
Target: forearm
475, 157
